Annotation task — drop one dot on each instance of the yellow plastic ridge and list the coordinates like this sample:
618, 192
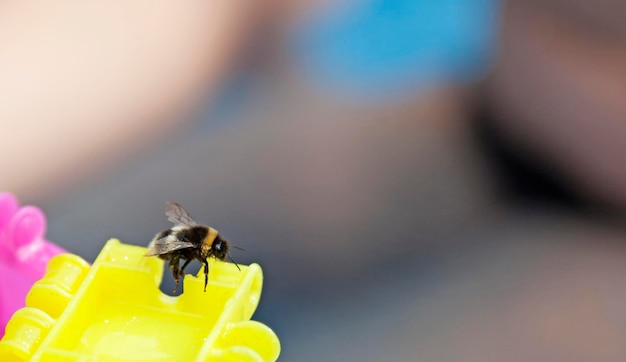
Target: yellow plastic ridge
114, 311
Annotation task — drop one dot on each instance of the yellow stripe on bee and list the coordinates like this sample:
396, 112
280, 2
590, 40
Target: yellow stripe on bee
208, 241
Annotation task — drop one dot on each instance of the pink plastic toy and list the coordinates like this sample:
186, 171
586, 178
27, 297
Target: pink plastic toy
24, 253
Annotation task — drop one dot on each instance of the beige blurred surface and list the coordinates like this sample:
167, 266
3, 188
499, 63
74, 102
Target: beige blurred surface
86, 85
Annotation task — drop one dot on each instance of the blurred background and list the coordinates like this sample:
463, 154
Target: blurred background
432, 181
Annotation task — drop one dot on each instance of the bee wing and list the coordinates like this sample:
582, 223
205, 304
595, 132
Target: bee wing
163, 246
177, 215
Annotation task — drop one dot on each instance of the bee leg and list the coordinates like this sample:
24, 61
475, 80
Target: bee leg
175, 271
182, 269
206, 274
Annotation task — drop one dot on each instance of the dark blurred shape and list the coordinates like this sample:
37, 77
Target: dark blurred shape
557, 93
520, 177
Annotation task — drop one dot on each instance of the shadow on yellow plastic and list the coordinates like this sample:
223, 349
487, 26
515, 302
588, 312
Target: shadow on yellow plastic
114, 311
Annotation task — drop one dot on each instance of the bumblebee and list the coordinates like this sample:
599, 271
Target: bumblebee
187, 240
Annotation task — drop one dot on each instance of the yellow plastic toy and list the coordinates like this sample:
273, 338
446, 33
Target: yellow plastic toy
114, 311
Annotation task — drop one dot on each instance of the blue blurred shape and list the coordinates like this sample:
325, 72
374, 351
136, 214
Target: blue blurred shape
381, 48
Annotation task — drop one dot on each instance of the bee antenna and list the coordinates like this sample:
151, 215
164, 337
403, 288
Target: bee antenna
238, 247
233, 260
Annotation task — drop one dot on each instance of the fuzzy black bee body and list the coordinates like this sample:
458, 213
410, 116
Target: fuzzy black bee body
187, 241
